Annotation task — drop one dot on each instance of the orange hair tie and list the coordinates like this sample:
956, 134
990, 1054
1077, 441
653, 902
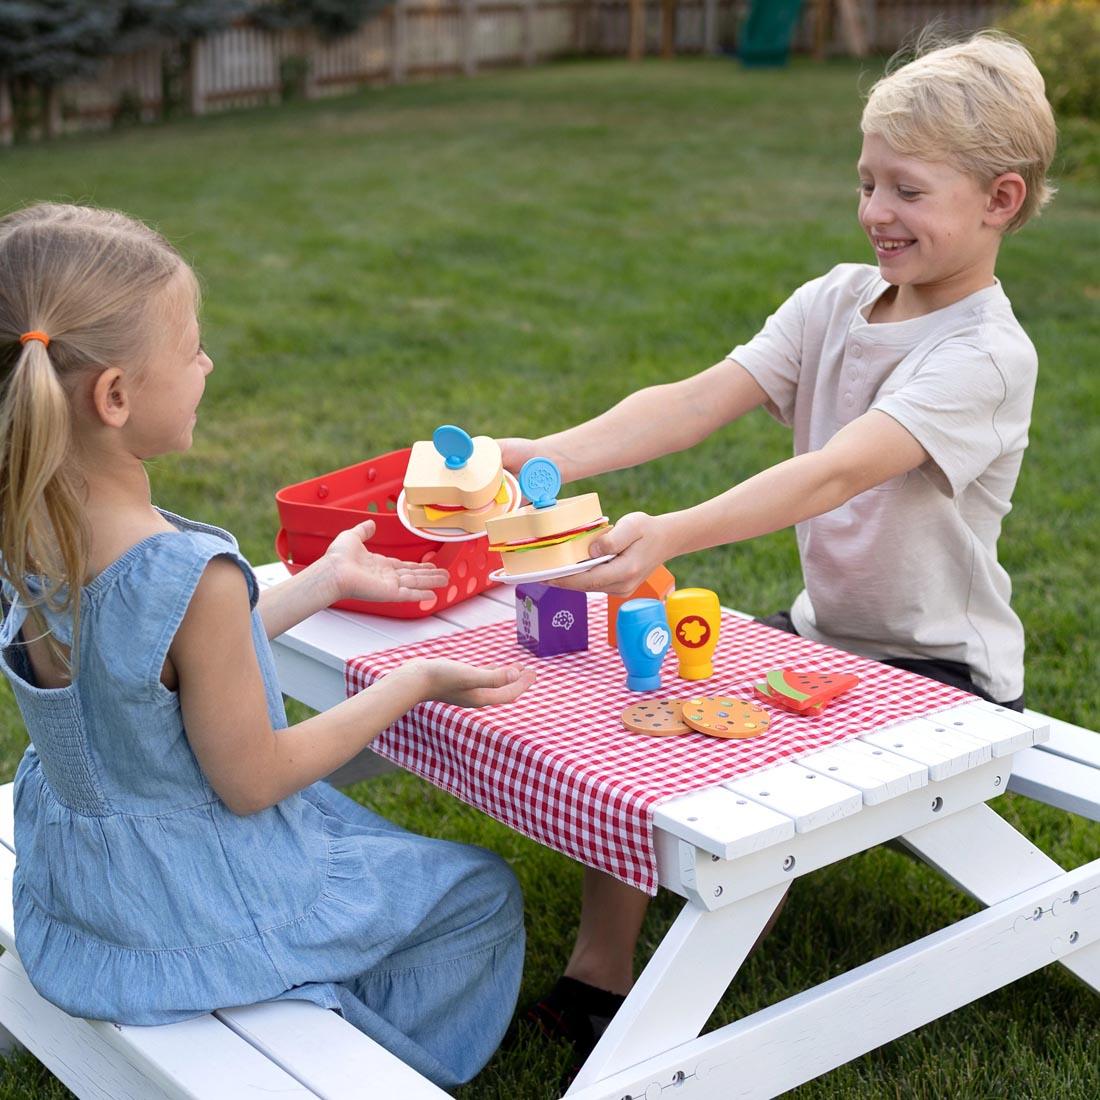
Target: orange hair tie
34, 334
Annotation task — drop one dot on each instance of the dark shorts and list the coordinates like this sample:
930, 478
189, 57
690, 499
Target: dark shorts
947, 672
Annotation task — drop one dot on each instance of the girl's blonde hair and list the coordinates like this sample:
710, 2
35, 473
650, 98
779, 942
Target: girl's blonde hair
980, 104
89, 280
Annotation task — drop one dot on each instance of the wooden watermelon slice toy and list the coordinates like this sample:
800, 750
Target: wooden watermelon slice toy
806, 693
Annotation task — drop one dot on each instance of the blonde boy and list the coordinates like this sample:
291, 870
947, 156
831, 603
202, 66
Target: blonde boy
908, 386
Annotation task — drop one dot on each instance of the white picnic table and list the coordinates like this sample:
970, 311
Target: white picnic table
731, 851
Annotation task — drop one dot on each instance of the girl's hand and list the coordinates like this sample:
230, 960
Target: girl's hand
361, 575
640, 542
465, 685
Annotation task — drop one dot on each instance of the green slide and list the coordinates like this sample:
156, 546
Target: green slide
768, 30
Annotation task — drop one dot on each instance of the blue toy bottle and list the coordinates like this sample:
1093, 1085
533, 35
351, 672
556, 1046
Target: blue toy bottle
643, 639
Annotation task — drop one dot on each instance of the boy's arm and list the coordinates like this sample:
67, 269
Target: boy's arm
649, 423
871, 450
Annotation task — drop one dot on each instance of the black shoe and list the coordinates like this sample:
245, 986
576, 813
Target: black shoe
573, 1012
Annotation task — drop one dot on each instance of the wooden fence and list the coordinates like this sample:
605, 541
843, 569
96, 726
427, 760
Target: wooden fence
420, 39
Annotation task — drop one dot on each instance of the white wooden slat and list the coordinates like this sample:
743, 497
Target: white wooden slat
1057, 781
993, 725
477, 611
944, 754
874, 771
1072, 742
809, 799
324, 1052
723, 823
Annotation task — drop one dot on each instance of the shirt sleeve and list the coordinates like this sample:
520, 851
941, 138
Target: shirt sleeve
774, 355
965, 408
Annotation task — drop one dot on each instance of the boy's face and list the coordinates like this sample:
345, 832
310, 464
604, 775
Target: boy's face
926, 220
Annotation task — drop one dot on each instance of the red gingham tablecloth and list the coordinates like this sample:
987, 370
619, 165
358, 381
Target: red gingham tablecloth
557, 764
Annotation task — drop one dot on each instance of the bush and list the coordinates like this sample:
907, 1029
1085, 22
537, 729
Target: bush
1064, 38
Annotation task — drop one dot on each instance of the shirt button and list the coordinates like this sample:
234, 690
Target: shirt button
857, 351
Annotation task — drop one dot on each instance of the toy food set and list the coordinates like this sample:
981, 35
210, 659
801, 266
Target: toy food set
716, 717
694, 617
656, 586
547, 538
804, 692
644, 639
453, 484
312, 513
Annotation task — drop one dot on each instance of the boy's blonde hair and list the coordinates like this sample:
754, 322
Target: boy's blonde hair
89, 279
979, 104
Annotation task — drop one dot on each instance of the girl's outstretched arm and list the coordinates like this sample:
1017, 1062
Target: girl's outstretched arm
249, 764
647, 424
347, 570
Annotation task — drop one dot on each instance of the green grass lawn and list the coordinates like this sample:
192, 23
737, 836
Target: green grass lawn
515, 253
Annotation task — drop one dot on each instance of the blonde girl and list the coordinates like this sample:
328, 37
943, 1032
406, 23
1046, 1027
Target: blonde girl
176, 850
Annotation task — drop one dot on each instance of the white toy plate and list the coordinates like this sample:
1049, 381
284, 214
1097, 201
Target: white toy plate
456, 534
500, 577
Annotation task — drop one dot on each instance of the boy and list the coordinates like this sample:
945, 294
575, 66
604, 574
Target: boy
908, 388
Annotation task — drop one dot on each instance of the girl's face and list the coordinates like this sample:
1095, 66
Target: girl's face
166, 399
925, 219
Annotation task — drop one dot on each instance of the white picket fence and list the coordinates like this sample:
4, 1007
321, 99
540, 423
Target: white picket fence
421, 39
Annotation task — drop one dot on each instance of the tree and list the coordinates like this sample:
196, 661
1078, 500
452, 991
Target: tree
45, 42
330, 18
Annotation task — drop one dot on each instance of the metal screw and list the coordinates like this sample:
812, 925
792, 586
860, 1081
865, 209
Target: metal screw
714, 859
788, 863
718, 891
1073, 937
996, 781
678, 1078
937, 805
1038, 912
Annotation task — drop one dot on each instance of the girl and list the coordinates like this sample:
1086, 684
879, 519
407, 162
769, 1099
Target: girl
175, 850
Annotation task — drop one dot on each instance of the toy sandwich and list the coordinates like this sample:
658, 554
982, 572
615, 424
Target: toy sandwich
548, 533
455, 481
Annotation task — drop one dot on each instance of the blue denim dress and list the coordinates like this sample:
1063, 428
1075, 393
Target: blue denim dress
140, 898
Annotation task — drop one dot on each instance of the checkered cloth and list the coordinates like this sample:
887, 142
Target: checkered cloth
557, 764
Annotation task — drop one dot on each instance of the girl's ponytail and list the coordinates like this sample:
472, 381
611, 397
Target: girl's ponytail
42, 531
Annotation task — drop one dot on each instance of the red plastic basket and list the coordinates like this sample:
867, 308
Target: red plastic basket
314, 512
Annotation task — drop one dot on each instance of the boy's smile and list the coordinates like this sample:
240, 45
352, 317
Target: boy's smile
928, 224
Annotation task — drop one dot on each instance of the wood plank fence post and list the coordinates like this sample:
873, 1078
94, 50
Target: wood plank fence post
710, 26
197, 81
7, 117
399, 41
527, 33
469, 37
636, 49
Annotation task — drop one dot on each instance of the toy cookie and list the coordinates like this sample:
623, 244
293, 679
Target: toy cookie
656, 717
725, 717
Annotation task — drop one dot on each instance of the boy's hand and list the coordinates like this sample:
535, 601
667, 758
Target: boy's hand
640, 542
360, 575
469, 686
515, 452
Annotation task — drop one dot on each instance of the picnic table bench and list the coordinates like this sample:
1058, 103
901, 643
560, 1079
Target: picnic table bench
731, 852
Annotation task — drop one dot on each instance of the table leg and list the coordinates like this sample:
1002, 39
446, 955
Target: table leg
683, 981
991, 861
